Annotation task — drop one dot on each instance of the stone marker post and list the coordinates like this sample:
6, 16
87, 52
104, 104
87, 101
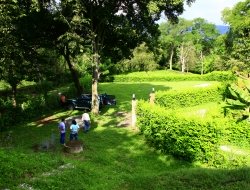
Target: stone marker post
133, 121
152, 97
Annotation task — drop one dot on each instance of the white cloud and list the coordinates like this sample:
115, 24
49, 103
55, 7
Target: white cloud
210, 10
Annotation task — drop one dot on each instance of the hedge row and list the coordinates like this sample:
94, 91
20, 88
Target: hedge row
183, 138
237, 133
190, 97
173, 76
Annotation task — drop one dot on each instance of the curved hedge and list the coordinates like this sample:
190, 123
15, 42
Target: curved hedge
183, 138
164, 75
190, 97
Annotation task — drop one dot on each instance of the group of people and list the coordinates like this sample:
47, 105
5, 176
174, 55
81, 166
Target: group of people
74, 128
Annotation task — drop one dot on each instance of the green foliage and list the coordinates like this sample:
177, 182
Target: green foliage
31, 107
190, 97
8, 113
239, 99
219, 76
238, 133
183, 138
86, 82
228, 160
143, 60
237, 42
173, 76
187, 43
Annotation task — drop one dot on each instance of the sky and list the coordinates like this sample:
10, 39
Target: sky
210, 10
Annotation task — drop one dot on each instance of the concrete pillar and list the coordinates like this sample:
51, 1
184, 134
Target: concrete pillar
152, 97
133, 121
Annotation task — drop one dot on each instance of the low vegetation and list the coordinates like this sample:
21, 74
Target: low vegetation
173, 76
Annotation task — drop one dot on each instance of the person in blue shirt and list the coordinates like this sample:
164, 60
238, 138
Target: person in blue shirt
62, 130
74, 128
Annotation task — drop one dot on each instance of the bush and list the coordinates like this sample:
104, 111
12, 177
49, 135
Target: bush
238, 133
187, 139
32, 107
164, 75
219, 76
190, 97
86, 82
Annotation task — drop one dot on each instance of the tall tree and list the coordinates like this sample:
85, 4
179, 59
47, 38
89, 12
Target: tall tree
190, 39
26, 28
116, 26
108, 28
71, 42
238, 39
204, 36
12, 61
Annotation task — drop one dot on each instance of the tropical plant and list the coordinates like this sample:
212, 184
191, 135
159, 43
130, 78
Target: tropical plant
239, 101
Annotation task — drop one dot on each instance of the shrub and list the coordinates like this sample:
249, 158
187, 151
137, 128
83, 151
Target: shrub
238, 133
238, 101
219, 76
191, 140
164, 75
190, 97
86, 82
32, 107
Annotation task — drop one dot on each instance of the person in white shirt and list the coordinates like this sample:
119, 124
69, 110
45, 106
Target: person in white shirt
74, 128
86, 122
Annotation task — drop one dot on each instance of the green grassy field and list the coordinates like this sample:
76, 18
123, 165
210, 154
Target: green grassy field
114, 156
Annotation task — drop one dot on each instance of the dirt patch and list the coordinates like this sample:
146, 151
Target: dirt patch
47, 120
73, 147
77, 118
203, 85
126, 121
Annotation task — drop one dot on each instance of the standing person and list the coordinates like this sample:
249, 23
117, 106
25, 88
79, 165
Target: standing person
62, 99
86, 122
74, 128
62, 130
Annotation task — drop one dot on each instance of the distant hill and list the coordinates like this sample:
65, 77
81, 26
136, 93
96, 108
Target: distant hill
222, 28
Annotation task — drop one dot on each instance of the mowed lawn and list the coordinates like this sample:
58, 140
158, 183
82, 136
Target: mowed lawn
115, 156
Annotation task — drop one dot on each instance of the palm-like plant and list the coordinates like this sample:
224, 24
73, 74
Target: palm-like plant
239, 100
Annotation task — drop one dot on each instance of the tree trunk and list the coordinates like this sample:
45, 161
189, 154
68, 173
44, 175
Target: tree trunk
79, 88
14, 92
96, 60
183, 65
182, 59
171, 58
202, 69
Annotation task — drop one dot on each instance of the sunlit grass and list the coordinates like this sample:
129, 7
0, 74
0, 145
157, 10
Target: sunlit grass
124, 91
